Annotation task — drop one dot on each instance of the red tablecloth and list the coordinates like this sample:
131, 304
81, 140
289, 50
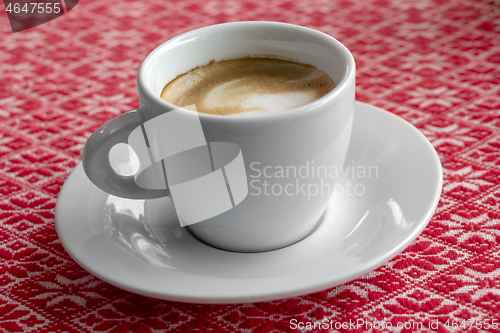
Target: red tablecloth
435, 63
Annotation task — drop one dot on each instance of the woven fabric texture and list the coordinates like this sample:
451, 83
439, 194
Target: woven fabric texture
435, 63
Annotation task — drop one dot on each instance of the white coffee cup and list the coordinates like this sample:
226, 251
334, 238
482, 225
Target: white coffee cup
300, 143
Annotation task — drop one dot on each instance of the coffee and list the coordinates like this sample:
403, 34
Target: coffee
248, 86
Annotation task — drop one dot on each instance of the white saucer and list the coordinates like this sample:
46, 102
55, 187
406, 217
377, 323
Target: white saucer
138, 245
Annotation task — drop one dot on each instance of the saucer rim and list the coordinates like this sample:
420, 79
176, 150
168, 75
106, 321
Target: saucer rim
299, 289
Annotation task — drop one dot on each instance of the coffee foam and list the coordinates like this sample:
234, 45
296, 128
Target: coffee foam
248, 86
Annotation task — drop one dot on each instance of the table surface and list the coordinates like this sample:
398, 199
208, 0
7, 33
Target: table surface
434, 63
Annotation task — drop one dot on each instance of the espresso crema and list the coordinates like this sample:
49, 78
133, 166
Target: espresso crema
248, 86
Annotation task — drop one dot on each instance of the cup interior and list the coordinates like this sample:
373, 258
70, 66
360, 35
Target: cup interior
245, 39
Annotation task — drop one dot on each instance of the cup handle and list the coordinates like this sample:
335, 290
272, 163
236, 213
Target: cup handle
95, 159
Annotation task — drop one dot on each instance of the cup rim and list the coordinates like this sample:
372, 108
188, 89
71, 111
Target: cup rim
340, 87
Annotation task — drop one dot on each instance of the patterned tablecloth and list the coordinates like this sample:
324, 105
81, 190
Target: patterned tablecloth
436, 63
